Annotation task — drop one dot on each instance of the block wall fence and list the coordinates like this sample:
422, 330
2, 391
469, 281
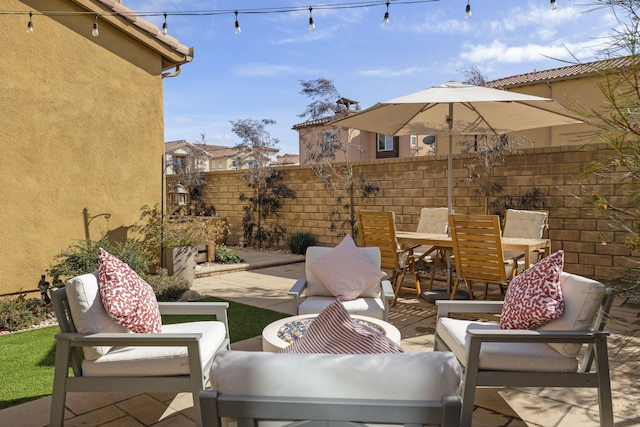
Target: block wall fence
408, 184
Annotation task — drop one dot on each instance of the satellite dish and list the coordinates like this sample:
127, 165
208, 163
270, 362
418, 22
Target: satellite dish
429, 140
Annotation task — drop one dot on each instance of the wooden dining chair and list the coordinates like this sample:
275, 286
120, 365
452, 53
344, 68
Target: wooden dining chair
530, 224
436, 221
477, 250
377, 229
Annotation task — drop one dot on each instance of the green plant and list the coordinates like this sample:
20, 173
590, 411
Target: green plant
267, 191
225, 255
167, 288
331, 156
20, 313
82, 257
299, 242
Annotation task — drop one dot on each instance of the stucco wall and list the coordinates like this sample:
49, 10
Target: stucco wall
82, 128
407, 185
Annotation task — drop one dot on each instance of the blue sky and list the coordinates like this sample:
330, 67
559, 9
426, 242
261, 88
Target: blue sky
257, 73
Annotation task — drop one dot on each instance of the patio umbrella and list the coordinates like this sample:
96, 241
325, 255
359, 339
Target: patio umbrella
456, 108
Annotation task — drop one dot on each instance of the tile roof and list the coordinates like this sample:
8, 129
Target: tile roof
126, 20
311, 123
562, 73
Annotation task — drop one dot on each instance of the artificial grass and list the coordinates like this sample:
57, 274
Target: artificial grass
28, 358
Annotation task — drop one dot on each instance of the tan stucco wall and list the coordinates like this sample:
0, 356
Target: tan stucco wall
409, 184
81, 122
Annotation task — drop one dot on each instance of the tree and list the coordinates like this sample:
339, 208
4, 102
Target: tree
489, 151
267, 192
322, 149
617, 125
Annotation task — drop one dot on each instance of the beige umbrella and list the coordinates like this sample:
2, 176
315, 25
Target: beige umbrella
456, 108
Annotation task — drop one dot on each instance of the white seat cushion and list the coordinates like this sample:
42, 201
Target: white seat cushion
416, 376
372, 307
502, 356
158, 361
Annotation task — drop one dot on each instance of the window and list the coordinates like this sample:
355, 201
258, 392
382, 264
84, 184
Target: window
220, 164
234, 165
414, 140
252, 164
385, 142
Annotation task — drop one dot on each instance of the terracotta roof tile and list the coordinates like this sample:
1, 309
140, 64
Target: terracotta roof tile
562, 73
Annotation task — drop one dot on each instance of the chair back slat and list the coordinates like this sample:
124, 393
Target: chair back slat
377, 229
477, 248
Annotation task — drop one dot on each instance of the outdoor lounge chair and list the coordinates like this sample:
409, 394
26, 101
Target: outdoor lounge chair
527, 224
311, 296
176, 360
433, 220
547, 356
340, 390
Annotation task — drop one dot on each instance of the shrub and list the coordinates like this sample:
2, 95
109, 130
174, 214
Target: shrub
225, 255
20, 313
300, 241
82, 257
167, 288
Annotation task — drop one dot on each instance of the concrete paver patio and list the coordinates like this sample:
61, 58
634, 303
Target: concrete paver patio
264, 282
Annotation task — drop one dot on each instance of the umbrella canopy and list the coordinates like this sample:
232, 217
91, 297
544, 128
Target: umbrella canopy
473, 110
460, 109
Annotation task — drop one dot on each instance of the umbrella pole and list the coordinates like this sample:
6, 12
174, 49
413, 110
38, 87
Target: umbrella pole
450, 161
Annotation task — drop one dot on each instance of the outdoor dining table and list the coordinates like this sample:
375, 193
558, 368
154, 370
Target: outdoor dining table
444, 242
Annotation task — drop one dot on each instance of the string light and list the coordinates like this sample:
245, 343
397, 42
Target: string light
95, 32
312, 26
30, 24
554, 6
238, 30
385, 20
467, 12
165, 29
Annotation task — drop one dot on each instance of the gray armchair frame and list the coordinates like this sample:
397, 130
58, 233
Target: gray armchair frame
473, 376
68, 355
323, 412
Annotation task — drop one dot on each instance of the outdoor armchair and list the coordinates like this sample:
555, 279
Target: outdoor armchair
311, 296
178, 359
527, 224
552, 355
340, 390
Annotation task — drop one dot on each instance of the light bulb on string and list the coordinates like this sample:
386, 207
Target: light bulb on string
30, 24
467, 12
312, 26
95, 32
165, 29
554, 6
385, 20
238, 30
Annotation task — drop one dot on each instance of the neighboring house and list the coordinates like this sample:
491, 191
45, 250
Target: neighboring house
572, 86
183, 157
82, 124
360, 145
210, 158
288, 160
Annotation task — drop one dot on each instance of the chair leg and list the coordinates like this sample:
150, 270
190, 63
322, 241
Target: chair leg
61, 372
470, 382
604, 382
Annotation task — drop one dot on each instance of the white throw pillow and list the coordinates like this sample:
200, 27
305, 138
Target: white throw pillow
345, 271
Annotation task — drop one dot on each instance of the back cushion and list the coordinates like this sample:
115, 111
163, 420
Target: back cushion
89, 315
433, 220
416, 376
526, 224
582, 300
315, 286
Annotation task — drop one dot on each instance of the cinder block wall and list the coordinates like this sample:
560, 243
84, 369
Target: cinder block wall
409, 184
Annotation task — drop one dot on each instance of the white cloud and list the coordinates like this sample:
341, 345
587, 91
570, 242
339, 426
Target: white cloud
267, 70
385, 72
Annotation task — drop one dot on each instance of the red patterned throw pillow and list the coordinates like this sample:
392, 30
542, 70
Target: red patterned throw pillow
335, 332
128, 299
535, 296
